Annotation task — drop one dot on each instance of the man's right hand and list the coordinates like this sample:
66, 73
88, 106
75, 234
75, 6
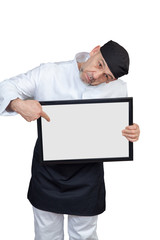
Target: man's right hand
30, 110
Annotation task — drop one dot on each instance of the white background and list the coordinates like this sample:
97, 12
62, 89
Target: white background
37, 31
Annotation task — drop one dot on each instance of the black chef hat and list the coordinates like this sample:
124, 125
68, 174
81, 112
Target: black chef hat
116, 57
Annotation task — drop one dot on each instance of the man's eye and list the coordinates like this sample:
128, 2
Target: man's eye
106, 76
99, 64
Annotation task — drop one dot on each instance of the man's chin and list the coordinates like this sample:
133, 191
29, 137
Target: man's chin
85, 81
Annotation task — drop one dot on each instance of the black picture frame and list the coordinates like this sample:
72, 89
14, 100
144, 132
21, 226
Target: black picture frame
87, 107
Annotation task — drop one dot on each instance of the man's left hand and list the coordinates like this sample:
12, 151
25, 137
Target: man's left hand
132, 132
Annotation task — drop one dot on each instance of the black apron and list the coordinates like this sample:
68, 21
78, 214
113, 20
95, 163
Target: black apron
74, 189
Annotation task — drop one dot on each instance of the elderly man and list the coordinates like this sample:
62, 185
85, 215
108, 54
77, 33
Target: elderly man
77, 190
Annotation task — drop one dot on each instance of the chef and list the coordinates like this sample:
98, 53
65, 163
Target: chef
77, 190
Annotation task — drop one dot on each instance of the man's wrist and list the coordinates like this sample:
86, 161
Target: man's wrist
14, 105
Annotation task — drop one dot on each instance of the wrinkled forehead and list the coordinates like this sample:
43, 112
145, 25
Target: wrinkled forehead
105, 65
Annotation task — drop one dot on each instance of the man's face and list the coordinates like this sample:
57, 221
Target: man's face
95, 70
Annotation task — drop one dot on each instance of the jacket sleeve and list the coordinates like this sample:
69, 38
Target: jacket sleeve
22, 86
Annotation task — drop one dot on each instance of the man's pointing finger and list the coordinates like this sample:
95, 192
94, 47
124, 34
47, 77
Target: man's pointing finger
45, 116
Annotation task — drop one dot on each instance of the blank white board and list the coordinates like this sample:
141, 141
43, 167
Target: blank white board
86, 130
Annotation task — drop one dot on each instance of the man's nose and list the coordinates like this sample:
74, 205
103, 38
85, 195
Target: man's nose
98, 74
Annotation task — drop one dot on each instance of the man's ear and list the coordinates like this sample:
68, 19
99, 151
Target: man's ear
95, 50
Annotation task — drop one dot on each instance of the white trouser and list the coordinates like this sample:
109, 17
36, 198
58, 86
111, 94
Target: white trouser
49, 226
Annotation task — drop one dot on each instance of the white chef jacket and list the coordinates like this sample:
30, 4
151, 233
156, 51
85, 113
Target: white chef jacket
75, 189
56, 81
